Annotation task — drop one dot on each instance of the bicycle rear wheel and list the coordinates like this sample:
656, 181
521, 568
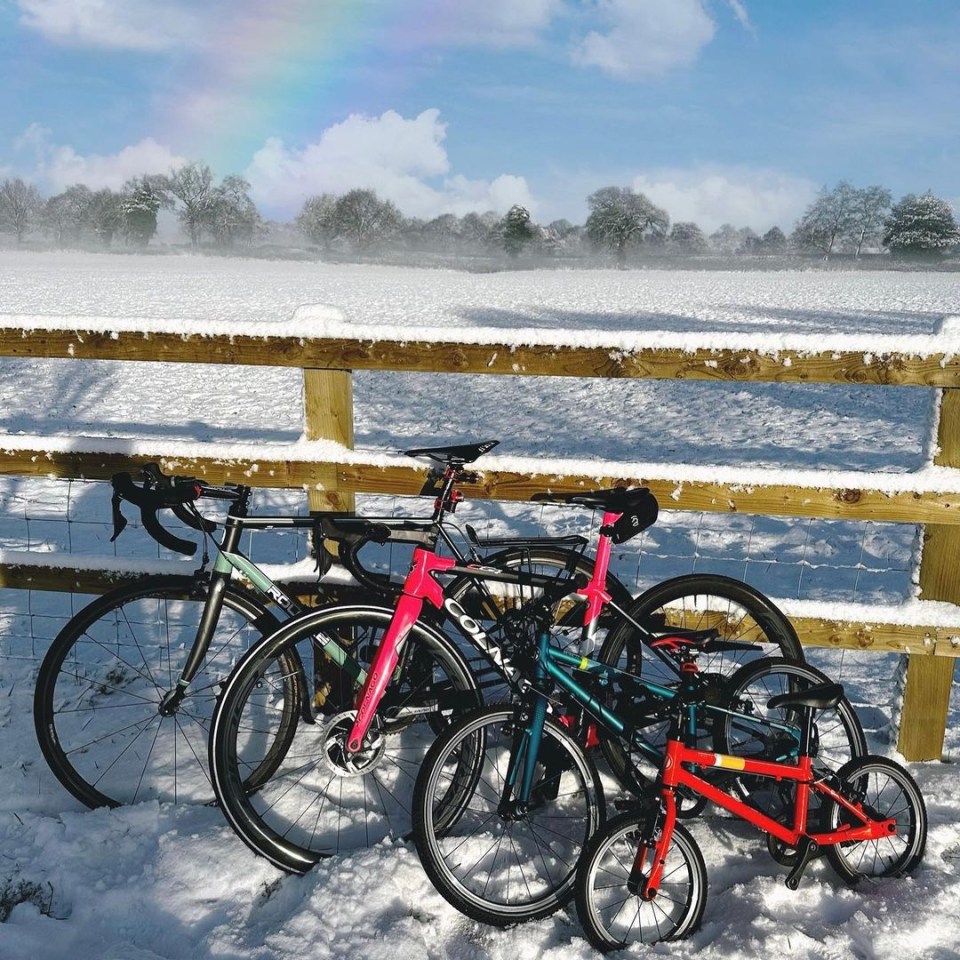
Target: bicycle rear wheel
740, 615
757, 731
99, 689
321, 800
495, 860
886, 791
543, 561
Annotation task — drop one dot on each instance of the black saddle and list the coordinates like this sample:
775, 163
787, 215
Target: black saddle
638, 508
824, 696
456, 455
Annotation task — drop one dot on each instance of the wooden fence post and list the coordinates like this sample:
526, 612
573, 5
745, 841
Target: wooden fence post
926, 695
328, 415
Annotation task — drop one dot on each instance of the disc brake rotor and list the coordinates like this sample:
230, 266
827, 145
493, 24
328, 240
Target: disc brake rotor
333, 747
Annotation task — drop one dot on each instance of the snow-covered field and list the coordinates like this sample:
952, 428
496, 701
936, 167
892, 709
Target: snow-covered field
157, 882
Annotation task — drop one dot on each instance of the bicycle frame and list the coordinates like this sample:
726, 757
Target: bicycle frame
560, 667
229, 558
421, 586
675, 773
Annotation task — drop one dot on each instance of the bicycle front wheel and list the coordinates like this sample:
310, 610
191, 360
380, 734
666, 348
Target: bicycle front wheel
748, 625
614, 917
322, 800
494, 859
100, 687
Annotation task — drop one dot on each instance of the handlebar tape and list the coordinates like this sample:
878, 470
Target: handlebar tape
150, 500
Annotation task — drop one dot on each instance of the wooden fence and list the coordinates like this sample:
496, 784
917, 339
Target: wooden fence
328, 362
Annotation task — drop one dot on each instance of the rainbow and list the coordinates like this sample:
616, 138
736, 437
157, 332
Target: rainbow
274, 67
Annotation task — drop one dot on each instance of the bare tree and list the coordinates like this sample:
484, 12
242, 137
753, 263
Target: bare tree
20, 206
829, 220
66, 214
364, 219
316, 220
870, 209
105, 215
619, 217
232, 215
687, 238
192, 186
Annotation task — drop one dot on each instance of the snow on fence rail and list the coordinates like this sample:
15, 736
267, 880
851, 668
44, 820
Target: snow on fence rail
325, 464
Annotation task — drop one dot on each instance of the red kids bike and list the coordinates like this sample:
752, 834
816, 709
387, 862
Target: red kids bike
642, 879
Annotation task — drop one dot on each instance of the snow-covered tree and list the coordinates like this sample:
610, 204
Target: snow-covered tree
517, 230
774, 241
687, 238
870, 209
105, 215
66, 214
921, 224
364, 219
232, 216
619, 218
21, 206
828, 221
142, 198
192, 186
316, 220
725, 239
479, 230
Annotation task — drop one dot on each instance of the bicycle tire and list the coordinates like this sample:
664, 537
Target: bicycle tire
886, 790
838, 736
521, 864
611, 916
737, 611
100, 684
538, 559
319, 801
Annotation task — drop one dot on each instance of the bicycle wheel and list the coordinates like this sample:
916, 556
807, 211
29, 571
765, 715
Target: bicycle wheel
101, 683
886, 791
321, 801
612, 916
757, 731
493, 859
544, 561
737, 612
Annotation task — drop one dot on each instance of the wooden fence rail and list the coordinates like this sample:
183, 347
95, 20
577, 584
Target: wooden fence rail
931, 499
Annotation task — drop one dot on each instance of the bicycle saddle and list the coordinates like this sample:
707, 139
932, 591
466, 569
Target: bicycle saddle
456, 455
824, 696
613, 499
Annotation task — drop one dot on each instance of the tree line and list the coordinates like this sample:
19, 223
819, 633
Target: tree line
222, 212
622, 223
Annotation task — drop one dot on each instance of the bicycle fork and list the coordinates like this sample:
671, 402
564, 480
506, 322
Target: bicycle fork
418, 586
529, 720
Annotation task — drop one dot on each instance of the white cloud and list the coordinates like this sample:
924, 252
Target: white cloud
390, 154
155, 25
646, 37
145, 25
56, 167
496, 23
743, 197
740, 12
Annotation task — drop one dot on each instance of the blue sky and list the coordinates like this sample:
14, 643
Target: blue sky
720, 110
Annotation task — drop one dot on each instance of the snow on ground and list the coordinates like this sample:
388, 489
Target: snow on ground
153, 882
